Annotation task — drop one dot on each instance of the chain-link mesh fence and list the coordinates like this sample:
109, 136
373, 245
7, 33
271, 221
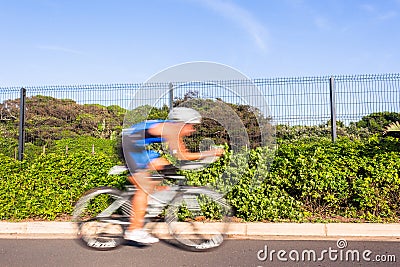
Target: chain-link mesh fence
289, 101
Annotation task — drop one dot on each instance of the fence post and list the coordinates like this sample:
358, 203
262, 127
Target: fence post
333, 108
171, 96
21, 139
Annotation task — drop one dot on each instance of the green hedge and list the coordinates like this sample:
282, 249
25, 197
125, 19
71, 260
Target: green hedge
48, 186
351, 179
315, 181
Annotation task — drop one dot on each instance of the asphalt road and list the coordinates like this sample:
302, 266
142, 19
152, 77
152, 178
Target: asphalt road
56, 252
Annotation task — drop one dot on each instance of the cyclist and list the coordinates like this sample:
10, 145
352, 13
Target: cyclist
142, 162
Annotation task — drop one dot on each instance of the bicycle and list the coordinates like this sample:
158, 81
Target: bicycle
102, 214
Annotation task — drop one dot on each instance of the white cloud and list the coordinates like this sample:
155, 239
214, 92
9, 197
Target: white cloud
388, 15
59, 49
377, 14
368, 7
240, 16
322, 23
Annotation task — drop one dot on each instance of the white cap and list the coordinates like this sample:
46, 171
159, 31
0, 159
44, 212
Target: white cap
186, 115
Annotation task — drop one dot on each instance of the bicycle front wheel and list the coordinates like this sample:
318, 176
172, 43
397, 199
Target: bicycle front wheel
199, 219
100, 215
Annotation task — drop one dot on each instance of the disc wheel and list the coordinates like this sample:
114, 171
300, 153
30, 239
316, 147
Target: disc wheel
100, 218
199, 220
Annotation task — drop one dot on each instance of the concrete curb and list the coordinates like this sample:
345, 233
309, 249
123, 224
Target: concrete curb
67, 230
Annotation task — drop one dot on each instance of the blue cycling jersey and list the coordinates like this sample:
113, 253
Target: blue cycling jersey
140, 137
140, 130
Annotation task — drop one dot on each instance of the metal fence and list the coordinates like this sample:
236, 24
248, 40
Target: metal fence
290, 101
307, 101
293, 101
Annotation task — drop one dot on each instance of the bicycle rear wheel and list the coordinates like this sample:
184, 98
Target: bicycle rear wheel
101, 215
199, 219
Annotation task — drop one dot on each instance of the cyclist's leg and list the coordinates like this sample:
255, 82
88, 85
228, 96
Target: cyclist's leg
145, 186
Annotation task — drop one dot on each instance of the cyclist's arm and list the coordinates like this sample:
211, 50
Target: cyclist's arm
174, 140
180, 151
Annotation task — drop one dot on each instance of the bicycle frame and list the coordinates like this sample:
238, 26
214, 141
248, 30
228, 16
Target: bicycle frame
182, 207
154, 207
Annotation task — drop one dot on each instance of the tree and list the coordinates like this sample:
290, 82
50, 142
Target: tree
393, 129
48, 119
234, 124
375, 122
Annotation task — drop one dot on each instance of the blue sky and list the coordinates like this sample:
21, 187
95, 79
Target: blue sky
54, 42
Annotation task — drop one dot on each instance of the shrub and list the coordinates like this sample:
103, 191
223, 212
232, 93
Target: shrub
305, 180
48, 186
354, 179
311, 181
244, 177
375, 122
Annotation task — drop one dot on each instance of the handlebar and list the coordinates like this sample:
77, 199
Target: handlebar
197, 164
185, 165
